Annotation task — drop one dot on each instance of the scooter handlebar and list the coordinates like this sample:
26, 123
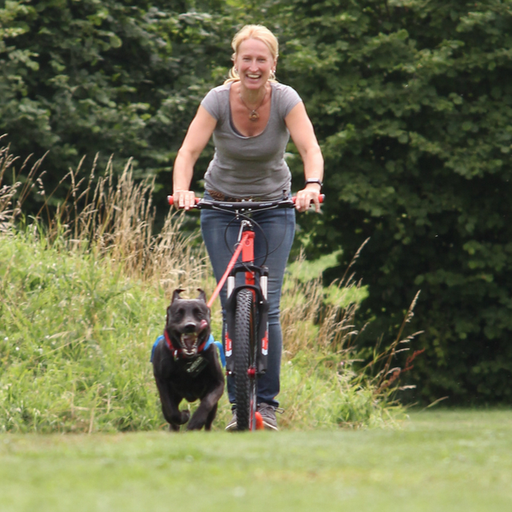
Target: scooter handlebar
246, 204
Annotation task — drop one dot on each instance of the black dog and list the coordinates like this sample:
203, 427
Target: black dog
185, 364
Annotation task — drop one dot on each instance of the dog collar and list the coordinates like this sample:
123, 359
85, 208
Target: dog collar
177, 351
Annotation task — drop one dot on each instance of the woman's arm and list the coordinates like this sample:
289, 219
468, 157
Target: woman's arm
198, 135
303, 136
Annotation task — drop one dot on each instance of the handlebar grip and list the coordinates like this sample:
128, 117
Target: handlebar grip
321, 198
170, 200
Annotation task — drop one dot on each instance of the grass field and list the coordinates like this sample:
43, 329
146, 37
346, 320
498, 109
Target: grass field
436, 461
82, 297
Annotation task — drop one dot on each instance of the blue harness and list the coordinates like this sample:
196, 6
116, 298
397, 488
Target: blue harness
209, 342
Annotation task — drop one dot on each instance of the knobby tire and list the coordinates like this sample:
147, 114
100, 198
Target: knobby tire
244, 351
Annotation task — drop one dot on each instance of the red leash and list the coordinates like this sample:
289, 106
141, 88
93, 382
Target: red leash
228, 270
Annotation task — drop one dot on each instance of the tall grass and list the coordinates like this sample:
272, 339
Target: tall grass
84, 286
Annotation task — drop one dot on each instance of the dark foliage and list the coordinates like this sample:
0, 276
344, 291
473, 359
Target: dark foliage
411, 101
413, 105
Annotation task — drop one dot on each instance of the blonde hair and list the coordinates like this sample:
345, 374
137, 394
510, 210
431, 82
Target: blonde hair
260, 33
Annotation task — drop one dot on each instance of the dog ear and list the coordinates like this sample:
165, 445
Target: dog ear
176, 295
202, 295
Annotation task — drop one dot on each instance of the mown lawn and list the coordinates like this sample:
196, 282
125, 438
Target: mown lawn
437, 461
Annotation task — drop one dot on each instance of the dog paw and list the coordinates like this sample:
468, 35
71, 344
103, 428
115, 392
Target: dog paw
198, 421
195, 425
185, 416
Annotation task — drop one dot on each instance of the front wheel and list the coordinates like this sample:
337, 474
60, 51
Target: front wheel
245, 347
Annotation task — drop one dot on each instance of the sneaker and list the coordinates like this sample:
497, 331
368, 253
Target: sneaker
268, 414
232, 425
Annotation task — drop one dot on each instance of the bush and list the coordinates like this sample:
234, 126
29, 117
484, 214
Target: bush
84, 298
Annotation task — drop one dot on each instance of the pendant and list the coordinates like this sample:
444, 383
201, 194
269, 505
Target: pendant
254, 116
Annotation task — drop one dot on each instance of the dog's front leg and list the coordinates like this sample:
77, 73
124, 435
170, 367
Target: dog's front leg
211, 417
205, 413
170, 406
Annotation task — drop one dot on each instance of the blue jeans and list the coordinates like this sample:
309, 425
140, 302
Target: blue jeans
220, 233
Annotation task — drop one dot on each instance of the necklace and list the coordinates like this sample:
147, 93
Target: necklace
253, 114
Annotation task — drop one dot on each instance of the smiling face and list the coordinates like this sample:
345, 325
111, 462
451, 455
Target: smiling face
254, 63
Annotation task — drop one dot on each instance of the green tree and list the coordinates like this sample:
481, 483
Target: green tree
413, 105
111, 77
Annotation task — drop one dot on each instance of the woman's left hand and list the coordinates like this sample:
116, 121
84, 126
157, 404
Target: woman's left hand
306, 196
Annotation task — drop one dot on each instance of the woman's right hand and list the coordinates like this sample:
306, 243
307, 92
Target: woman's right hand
183, 199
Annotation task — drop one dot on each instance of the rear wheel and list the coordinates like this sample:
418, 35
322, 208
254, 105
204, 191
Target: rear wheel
244, 351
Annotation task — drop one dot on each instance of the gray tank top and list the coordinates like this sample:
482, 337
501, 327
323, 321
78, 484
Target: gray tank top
250, 166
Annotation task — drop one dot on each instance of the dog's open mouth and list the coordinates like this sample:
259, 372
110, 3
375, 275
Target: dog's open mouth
189, 338
190, 343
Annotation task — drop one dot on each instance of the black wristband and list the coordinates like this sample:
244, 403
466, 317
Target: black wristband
314, 180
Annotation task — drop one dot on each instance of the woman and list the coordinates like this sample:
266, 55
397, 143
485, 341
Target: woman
251, 117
